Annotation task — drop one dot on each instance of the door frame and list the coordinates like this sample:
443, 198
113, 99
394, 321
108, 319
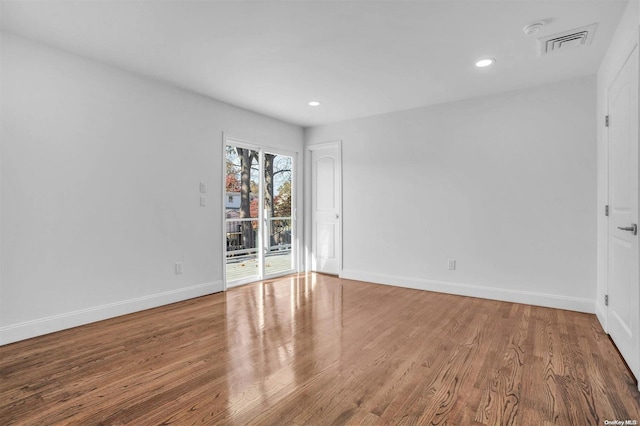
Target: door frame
295, 251
635, 44
308, 188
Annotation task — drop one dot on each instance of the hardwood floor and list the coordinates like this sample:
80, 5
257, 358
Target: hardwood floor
318, 350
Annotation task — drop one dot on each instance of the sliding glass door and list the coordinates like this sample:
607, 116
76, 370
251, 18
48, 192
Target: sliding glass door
278, 213
259, 213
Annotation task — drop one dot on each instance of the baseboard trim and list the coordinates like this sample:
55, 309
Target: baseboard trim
38, 327
483, 292
601, 314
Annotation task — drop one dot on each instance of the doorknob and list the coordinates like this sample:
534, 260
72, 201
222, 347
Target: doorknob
633, 228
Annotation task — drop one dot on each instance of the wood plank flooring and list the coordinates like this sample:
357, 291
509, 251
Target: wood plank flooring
318, 350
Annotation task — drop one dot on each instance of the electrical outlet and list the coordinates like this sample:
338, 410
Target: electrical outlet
203, 201
452, 264
179, 267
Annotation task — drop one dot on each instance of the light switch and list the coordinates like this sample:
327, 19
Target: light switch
203, 188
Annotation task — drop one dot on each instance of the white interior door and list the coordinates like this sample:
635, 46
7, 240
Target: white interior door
326, 199
623, 281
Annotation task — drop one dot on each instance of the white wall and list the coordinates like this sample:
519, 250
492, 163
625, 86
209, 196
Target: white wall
503, 184
625, 38
100, 180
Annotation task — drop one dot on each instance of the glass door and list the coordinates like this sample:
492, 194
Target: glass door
278, 214
242, 207
259, 213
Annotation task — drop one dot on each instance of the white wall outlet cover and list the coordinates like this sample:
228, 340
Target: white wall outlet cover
179, 267
203, 201
203, 188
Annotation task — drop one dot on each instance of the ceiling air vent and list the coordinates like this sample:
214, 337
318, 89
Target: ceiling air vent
578, 37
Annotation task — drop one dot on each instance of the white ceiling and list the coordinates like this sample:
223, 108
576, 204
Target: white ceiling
358, 58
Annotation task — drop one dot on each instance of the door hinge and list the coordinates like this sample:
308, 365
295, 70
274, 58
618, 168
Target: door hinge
606, 121
606, 210
606, 300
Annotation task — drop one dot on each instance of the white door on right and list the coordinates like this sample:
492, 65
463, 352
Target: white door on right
325, 206
623, 317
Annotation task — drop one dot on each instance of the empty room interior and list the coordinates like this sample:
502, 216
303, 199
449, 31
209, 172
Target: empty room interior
319, 212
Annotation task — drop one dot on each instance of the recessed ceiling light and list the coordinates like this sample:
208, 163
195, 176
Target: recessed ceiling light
314, 103
485, 62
